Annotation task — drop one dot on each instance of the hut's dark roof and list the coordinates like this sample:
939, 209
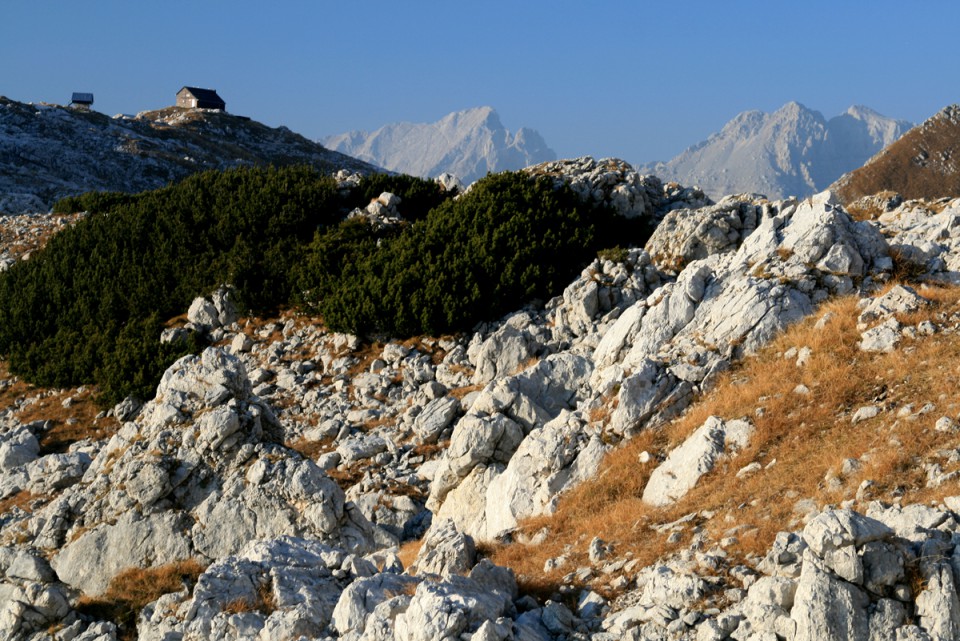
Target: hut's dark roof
83, 98
206, 95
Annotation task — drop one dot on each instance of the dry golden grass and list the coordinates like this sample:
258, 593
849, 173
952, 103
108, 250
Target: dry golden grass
460, 393
22, 499
409, 551
134, 588
798, 440
912, 166
63, 431
265, 603
312, 449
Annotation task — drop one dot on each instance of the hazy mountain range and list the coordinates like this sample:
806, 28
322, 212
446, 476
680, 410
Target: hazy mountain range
467, 143
793, 151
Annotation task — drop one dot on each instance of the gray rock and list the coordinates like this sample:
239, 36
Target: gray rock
134, 541
435, 418
289, 586
446, 551
360, 447
938, 607
17, 447
686, 235
203, 313
684, 466
901, 299
503, 353
240, 344
834, 537
457, 605
882, 338
549, 461
373, 603
827, 608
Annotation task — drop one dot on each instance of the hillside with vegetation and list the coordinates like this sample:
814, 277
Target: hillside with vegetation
571, 403
48, 151
922, 164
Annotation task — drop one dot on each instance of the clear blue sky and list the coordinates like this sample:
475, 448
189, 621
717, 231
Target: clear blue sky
636, 80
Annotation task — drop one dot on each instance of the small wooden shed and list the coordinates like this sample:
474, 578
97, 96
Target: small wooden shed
83, 100
196, 98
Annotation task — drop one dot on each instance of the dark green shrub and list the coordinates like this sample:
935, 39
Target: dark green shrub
91, 201
88, 306
511, 239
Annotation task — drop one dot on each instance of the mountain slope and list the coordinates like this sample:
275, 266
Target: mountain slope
467, 143
921, 164
48, 151
792, 151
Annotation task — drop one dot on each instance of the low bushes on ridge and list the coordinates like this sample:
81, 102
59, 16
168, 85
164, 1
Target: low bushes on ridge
89, 307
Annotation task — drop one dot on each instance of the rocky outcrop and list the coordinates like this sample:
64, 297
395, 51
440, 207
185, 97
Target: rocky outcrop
200, 473
49, 151
616, 184
652, 347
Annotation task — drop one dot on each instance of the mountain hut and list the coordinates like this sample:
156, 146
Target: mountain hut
195, 98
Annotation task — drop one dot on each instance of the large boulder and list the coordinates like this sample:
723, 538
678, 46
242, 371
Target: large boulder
698, 454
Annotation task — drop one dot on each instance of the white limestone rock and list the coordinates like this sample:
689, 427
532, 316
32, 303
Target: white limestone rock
17, 448
608, 181
834, 536
883, 338
198, 473
368, 607
827, 608
446, 552
687, 235
503, 353
290, 586
550, 460
135, 540
937, 606
436, 417
901, 299
684, 466
457, 605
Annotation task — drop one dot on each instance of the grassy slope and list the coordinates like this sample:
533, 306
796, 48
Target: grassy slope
801, 440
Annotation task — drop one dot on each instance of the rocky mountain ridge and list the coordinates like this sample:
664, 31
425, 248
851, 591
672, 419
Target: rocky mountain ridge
49, 151
325, 452
468, 144
921, 164
793, 151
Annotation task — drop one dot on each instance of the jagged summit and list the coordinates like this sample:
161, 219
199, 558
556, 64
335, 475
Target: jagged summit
792, 151
49, 151
468, 143
921, 164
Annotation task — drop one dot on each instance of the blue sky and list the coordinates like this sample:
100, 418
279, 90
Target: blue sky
636, 80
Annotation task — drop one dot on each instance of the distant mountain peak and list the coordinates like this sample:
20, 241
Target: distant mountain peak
791, 151
468, 143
